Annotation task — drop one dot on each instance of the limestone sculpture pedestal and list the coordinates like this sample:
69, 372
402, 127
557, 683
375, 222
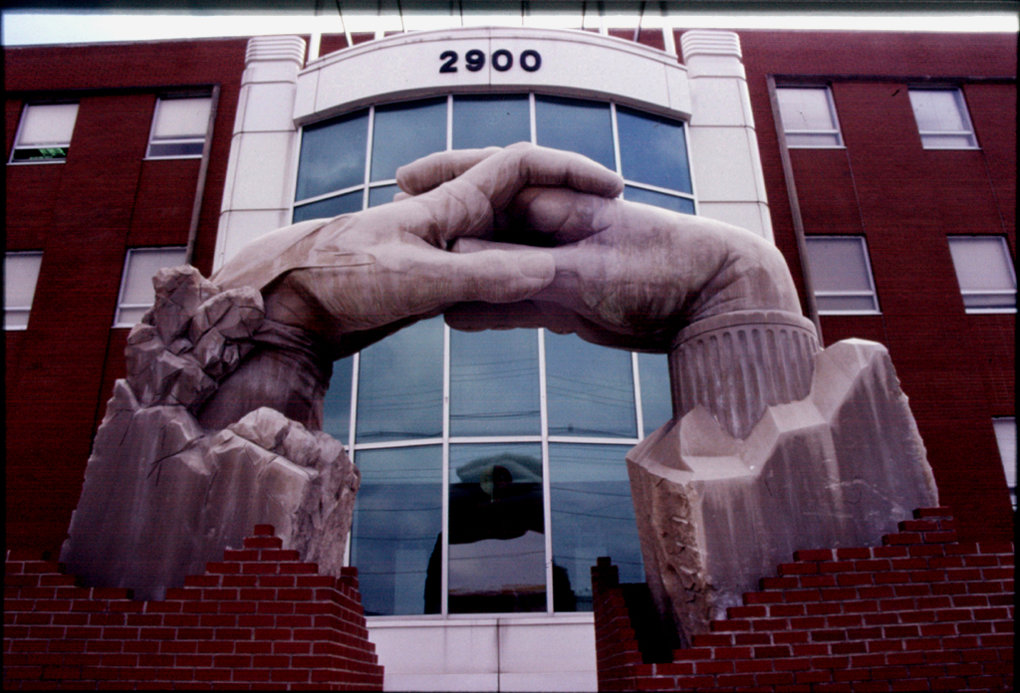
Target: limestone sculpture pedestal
778, 447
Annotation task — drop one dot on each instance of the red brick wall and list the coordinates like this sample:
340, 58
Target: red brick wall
920, 612
261, 618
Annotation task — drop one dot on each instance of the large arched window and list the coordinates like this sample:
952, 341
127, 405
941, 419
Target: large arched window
492, 463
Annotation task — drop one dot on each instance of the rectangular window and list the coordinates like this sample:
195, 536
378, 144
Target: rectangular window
942, 119
841, 275
136, 292
44, 133
179, 127
809, 117
1005, 435
21, 272
985, 272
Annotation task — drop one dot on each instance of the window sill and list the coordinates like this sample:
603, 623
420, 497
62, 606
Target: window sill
37, 162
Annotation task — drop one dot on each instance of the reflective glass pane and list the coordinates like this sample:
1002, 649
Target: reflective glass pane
494, 383
650, 197
497, 530
653, 150
590, 389
395, 538
336, 419
999, 301
845, 304
578, 126
331, 207
400, 385
483, 121
382, 195
592, 516
405, 132
656, 402
332, 155
157, 149
947, 141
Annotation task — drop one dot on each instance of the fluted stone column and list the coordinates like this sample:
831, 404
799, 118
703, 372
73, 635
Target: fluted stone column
259, 188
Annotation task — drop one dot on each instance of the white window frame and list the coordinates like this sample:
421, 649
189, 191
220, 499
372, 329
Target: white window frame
154, 139
58, 143
1005, 436
937, 139
126, 275
835, 131
871, 293
987, 292
20, 310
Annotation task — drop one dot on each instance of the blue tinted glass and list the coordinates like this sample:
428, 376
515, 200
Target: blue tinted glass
650, 197
405, 132
332, 155
578, 126
497, 530
331, 207
336, 419
590, 389
656, 402
653, 150
592, 516
382, 195
400, 385
483, 121
395, 537
494, 383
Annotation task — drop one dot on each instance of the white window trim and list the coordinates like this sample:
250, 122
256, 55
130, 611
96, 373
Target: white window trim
930, 138
989, 292
17, 137
872, 293
837, 131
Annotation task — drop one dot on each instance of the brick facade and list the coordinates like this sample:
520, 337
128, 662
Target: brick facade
921, 612
261, 618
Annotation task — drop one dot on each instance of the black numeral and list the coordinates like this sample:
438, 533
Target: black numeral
451, 61
502, 60
530, 60
475, 60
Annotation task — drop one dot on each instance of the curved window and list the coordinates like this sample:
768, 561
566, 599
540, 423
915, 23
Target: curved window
493, 472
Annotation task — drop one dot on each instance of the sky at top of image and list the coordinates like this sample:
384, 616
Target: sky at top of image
37, 26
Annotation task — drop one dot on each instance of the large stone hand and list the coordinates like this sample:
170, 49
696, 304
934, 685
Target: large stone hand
627, 274
354, 278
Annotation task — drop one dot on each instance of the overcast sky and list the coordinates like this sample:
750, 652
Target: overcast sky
27, 27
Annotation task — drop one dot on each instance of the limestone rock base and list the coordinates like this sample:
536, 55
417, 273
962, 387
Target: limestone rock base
840, 467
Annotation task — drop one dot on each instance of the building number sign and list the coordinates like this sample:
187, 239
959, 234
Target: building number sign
502, 60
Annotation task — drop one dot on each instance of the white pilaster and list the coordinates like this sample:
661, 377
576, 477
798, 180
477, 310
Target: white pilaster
259, 187
725, 161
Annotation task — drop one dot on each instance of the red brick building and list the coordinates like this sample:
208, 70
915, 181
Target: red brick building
886, 165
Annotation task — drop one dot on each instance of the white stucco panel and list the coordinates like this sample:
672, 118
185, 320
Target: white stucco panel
571, 63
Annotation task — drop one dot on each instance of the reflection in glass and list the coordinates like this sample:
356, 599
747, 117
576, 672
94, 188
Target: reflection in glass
578, 126
484, 121
592, 516
494, 383
653, 150
324, 209
496, 541
337, 405
398, 515
650, 197
400, 385
590, 388
382, 195
332, 155
405, 132
656, 400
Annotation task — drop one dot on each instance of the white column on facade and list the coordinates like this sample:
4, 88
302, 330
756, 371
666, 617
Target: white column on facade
259, 188
725, 161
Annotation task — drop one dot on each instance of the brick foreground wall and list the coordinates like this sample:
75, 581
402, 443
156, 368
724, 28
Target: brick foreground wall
921, 612
261, 618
